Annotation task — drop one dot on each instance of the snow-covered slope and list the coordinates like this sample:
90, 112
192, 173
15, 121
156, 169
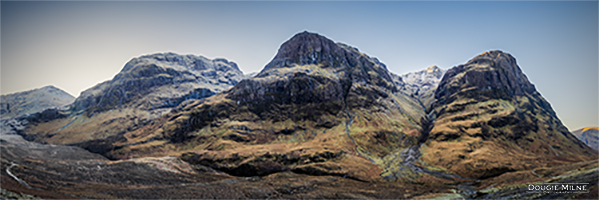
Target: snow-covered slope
32, 101
421, 84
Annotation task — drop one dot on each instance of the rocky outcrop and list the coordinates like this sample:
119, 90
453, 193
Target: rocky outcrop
32, 101
588, 135
486, 108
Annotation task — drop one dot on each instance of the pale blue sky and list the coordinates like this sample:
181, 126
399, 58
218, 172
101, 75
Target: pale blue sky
75, 45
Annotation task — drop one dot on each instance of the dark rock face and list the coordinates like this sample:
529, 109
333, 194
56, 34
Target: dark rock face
495, 74
307, 48
32, 101
316, 95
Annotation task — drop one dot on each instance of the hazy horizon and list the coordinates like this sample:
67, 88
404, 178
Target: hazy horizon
76, 45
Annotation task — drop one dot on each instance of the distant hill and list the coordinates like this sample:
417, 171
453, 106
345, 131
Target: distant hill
32, 101
588, 135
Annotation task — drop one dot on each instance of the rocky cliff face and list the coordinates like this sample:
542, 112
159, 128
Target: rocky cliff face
588, 135
489, 119
32, 101
146, 88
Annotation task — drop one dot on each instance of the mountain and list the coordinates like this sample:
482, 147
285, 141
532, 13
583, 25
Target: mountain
146, 88
318, 107
488, 119
588, 135
160, 81
32, 101
321, 107
421, 84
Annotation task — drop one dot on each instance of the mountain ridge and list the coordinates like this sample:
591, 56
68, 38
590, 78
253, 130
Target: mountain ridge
321, 107
322, 114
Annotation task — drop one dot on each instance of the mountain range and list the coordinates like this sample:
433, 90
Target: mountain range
319, 109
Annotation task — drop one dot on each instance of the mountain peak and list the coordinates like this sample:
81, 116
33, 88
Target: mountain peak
306, 48
305, 43
433, 69
502, 59
493, 70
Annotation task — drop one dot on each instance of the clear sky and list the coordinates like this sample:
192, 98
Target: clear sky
75, 45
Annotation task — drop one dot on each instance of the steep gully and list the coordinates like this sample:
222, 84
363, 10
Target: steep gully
408, 167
